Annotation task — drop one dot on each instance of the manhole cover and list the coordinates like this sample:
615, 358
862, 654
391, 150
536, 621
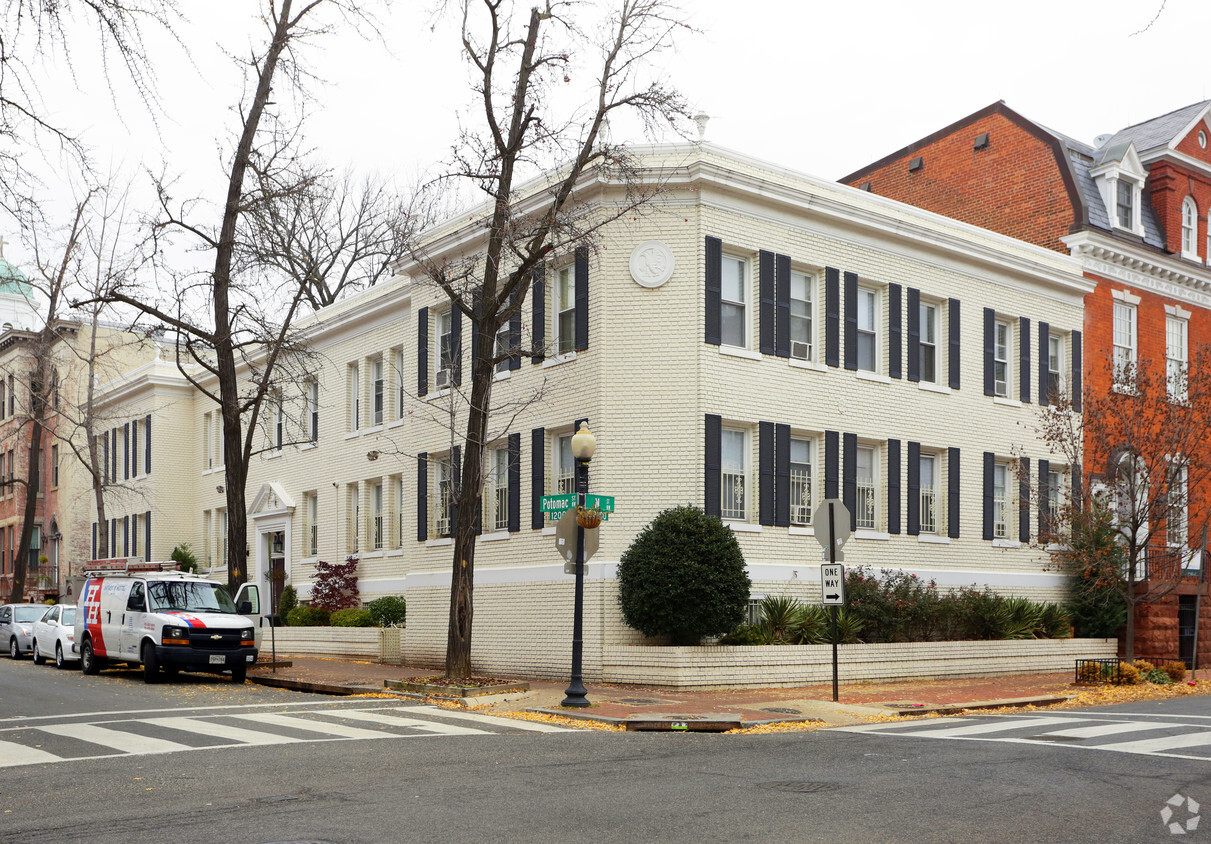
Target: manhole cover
782, 710
1052, 738
639, 701
799, 786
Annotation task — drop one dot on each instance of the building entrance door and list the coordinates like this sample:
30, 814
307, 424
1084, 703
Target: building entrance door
1185, 628
277, 568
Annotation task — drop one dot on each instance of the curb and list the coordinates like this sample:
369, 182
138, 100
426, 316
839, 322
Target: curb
956, 708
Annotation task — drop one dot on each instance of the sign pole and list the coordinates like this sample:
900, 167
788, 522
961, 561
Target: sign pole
832, 559
1198, 603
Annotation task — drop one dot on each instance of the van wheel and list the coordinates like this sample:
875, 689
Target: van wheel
39, 659
59, 661
14, 650
90, 663
240, 674
151, 665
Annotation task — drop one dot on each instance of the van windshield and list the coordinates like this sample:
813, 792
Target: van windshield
188, 596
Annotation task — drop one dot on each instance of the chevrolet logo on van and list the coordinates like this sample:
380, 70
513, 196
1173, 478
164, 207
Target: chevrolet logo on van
217, 636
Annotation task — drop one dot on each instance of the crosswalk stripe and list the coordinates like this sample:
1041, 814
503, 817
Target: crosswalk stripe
992, 726
12, 754
1108, 729
1160, 744
378, 717
115, 739
221, 731
489, 719
343, 730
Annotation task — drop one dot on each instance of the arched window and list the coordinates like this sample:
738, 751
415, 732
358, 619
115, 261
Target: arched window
1189, 228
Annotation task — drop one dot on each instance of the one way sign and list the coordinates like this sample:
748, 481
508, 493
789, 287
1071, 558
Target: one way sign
832, 585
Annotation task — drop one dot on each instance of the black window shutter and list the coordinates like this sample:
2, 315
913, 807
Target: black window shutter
113, 453
538, 311
831, 467
895, 340
893, 486
712, 465
849, 480
1044, 497
714, 291
1024, 501
990, 462
113, 537
127, 457
851, 321
990, 330
582, 298
1044, 361
147, 535
768, 311
477, 322
126, 536
456, 468
832, 316
765, 480
782, 293
147, 444
1024, 359
1076, 372
422, 351
514, 444
914, 489
952, 327
782, 475
515, 335
914, 334
456, 337
952, 493
538, 465
422, 497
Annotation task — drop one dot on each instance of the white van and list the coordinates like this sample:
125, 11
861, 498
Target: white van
145, 614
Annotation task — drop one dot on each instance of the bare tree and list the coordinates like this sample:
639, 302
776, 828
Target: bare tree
521, 70
1140, 448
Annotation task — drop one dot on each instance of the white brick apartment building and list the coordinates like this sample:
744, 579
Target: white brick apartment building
758, 341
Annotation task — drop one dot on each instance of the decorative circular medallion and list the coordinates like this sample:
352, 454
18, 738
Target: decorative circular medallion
651, 264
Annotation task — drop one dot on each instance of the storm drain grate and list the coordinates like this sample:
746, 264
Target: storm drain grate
799, 786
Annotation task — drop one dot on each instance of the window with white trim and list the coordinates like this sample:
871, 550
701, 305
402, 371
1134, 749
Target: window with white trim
1177, 517
221, 538
929, 342
279, 421
497, 494
1124, 344
1055, 362
378, 538
399, 511
802, 338
311, 526
866, 475
443, 502
1001, 355
377, 397
355, 396
734, 302
501, 348
563, 322
868, 331
445, 350
802, 460
353, 503
400, 394
1176, 357
734, 463
1189, 228
1125, 203
1000, 500
929, 493
313, 410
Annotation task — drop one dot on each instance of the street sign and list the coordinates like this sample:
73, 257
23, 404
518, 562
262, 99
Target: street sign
830, 523
604, 503
565, 541
553, 505
832, 585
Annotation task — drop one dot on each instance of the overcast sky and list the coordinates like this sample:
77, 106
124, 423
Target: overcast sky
824, 87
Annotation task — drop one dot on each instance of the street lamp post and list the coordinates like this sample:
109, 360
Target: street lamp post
584, 444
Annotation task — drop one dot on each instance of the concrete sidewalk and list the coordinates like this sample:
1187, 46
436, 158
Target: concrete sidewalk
635, 704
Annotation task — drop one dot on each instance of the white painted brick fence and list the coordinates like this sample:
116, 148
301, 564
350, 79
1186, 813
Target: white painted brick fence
379, 644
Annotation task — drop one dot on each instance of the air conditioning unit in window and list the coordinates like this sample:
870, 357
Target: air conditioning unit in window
442, 379
800, 350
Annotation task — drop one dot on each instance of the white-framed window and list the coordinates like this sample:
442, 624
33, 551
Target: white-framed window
866, 474
802, 337
1124, 344
868, 334
207, 540
1177, 517
445, 350
377, 384
498, 497
399, 511
279, 421
929, 493
734, 302
1176, 357
734, 462
207, 442
54, 465
563, 315
1000, 500
355, 397
311, 525
313, 410
502, 348
1189, 228
353, 501
1001, 352
563, 468
443, 469
221, 538
400, 394
1055, 358
1125, 203
929, 342
802, 460
378, 539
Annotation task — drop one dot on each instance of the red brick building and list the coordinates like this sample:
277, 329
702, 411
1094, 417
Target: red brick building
1134, 209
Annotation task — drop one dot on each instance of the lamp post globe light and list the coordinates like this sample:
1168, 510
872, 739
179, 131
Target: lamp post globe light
584, 444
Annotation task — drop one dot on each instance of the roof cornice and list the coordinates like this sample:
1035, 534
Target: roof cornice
1113, 258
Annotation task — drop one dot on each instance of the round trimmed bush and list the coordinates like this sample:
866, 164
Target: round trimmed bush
683, 577
304, 616
352, 617
388, 611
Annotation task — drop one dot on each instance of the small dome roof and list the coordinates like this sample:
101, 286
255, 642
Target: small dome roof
12, 280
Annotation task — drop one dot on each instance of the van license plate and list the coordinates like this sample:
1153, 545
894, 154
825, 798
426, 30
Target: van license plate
217, 659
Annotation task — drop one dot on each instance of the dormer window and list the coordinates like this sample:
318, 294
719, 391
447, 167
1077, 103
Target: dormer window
1120, 178
1126, 204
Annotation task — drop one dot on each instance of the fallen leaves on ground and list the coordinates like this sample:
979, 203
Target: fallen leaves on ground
564, 721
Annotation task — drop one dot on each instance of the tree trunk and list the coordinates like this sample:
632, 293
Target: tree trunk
33, 482
1129, 636
94, 459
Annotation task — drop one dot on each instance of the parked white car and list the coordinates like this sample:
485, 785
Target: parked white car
54, 635
17, 627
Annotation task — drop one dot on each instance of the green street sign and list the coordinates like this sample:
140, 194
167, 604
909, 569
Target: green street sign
553, 505
604, 503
